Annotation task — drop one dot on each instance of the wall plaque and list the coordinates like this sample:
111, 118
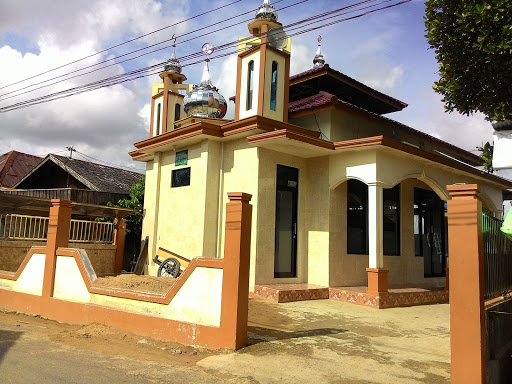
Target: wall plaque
181, 158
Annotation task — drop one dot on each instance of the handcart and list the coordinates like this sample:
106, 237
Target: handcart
173, 264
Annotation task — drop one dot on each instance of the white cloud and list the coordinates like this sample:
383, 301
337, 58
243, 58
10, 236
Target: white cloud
383, 78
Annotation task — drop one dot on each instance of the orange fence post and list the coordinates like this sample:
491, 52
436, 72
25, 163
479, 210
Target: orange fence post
59, 224
235, 283
119, 235
467, 311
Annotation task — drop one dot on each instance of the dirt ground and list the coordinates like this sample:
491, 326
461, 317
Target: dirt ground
321, 341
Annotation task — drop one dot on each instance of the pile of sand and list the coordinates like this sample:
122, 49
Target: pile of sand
136, 283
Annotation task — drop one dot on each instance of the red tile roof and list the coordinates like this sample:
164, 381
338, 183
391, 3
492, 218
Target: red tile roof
318, 100
14, 166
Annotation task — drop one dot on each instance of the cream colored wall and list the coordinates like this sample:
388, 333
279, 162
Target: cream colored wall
265, 211
317, 122
240, 174
171, 102
198, 301
157, 129
151, 205
281, 62
243, 92
31, 278
181, 215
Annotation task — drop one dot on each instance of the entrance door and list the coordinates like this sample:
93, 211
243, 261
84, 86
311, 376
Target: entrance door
429, 231
285, 257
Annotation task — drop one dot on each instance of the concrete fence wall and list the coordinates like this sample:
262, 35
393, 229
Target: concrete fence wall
206, 306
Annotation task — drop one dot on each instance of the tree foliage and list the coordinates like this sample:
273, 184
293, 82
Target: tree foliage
136, 201
473, 44
486, 154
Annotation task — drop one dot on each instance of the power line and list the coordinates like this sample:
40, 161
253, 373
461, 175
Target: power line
106, 163
144, 72
124, 43
29, 88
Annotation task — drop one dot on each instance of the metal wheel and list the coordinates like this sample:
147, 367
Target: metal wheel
169, 267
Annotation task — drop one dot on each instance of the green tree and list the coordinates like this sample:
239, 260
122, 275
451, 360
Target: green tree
133, 221
473, 44
487, 152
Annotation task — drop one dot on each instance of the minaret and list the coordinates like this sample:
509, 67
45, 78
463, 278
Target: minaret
263, 70
167, 102
319, 60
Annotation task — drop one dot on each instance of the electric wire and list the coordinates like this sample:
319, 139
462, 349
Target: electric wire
106, 163
29, 88
124, 43
133, 75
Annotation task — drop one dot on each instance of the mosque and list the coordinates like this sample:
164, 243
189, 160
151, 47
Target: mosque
342, 195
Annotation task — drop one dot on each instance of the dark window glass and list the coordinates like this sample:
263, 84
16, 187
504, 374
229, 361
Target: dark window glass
159, 107
180, 177
177, 112
357, 217
273, 87
250, 84
391, 220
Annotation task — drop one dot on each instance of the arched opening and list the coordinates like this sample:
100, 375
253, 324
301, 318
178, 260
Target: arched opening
177, 111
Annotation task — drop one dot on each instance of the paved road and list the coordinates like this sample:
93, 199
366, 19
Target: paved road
304, 342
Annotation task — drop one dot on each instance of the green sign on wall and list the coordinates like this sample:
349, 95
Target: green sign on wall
181, 158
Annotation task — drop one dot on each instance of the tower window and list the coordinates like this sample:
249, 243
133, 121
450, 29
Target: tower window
158, 112
273, 87
177, 111
250, 84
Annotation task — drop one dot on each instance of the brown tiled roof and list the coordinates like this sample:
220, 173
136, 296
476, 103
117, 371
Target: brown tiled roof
14, 166
318, 100
96, 177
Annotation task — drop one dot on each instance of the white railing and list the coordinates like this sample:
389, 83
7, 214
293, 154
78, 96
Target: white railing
35, 228
83, 231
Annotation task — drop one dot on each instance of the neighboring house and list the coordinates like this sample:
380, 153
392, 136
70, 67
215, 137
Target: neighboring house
14, 166
341, 194
77, 180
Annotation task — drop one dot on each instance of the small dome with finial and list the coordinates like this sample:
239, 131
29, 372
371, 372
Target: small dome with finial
173, 64
266, 11
204, 100
319, 60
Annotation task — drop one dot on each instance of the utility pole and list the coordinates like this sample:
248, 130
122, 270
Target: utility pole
71, 150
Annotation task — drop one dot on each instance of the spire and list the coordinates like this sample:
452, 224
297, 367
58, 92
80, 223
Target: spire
173, 64
266, 11
204, 100
319, 60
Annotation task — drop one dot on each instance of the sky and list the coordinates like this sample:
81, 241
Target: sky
385, 50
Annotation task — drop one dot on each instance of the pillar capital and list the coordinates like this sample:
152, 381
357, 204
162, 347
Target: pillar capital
239, 196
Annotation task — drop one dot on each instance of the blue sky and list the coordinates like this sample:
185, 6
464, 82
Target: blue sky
386, 50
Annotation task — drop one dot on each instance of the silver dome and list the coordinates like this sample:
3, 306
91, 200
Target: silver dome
204, 100
266, 11
173, 64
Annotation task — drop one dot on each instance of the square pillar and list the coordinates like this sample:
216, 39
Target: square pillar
59, 225
377, 281
119, 236
235, 282
375, 226
467, 310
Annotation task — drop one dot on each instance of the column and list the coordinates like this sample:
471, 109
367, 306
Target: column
377, 275
235, 282
58, 236
467, 312
119, 236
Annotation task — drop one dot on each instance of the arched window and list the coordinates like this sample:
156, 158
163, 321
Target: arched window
273, 87
177, 111
250, 84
